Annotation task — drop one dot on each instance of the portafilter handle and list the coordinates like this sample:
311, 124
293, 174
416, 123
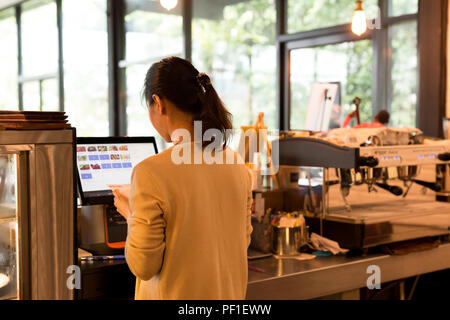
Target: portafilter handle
392, 189
436, 187
444, 156
368, 162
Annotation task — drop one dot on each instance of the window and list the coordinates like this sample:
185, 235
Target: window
86, 66
152, 33
402, 7
381, 68
348, 63
403, 95
49, 94
232, 40
138, 122
31, 97
304, 15
39, 55
233, 44
8, 61
41, 95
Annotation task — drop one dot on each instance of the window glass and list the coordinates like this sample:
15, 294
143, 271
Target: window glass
86, 66
152, 33
403, 96
50, 99
137, 114
348, 63
8, 61
304, 15
39, 52
39, 38
31, 96
235, 45
402, 7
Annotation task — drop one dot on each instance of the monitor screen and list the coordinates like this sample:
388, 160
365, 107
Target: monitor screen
108, 161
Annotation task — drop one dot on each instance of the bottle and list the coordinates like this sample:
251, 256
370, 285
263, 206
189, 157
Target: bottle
257, 183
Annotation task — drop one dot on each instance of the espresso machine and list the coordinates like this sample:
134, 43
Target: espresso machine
443, 171
383, 188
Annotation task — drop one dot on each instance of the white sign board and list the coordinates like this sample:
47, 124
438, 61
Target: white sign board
320, 106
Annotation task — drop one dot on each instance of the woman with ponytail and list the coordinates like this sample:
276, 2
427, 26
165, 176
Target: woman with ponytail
188, 223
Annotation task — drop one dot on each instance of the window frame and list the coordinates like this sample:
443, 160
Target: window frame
59, 75
431, 18
381, 77
118, 64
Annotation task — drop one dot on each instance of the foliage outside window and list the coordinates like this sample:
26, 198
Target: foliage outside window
402, 7
233, 41
86, 66
304, 15
403, 91
348, 63
152, 33
351, 63
236, 47
39, 55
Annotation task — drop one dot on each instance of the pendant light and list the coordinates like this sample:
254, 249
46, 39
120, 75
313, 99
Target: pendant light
168, 4
359, 22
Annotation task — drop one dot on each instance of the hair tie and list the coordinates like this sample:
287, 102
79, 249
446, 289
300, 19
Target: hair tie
203, 80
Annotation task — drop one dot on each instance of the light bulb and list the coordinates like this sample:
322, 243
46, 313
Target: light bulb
4, 280
359, 23
169, 4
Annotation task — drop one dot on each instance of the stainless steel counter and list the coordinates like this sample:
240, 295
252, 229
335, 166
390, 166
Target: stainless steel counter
324, 276
293, 279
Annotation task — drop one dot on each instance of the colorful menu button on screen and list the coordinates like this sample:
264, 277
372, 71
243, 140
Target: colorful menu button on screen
86, 176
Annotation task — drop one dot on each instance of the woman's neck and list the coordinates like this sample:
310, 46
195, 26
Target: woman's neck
180, 120
177, 131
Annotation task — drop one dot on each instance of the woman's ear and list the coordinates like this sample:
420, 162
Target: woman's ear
159, 105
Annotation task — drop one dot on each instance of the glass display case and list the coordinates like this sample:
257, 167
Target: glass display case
8, 227
37, 214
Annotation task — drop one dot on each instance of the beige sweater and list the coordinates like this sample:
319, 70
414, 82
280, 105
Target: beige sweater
189, 230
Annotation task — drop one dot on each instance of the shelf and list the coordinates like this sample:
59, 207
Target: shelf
8, 219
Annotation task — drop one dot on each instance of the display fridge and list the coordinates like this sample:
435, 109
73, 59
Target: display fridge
37, 213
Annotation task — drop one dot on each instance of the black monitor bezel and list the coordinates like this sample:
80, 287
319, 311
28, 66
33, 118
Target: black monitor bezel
106, 140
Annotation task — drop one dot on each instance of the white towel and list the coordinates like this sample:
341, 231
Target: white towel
323, 244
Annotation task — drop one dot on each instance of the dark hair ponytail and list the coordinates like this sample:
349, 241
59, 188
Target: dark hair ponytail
178, 81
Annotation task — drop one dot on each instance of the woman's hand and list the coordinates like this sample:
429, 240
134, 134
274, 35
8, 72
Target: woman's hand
121, 199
